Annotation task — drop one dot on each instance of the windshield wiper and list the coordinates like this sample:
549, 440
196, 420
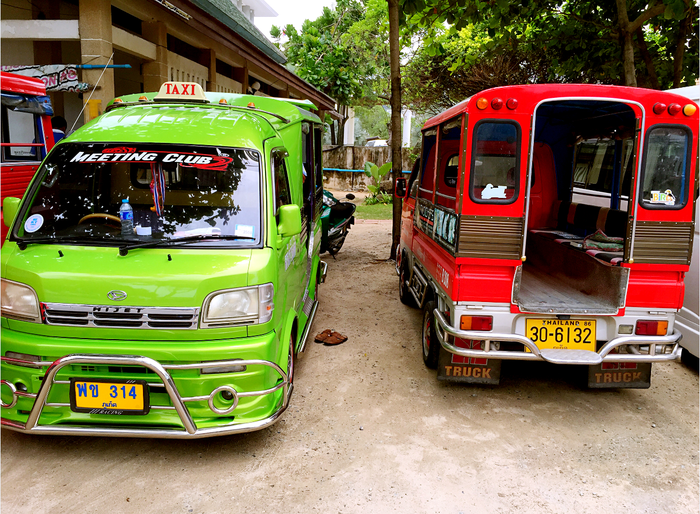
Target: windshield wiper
22, 243
123, 250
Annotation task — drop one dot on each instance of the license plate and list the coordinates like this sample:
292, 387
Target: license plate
114, 397
562, 334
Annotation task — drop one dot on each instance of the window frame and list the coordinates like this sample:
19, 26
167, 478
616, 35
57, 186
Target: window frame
518, 147
642, 175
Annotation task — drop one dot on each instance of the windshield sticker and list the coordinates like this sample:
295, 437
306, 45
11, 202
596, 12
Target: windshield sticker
33, 223
665, 198
184, 159
245, 231
493, 192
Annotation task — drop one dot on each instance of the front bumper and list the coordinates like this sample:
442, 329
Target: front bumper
188, 429
445, 332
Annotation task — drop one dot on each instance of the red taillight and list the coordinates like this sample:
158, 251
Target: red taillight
659, 108
651, 328
481, 323
674, 109
496, 103
512, 103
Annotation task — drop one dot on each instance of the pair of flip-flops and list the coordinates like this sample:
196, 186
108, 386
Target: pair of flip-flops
330, 337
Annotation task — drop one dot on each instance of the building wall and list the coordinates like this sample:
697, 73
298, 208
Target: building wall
159, 45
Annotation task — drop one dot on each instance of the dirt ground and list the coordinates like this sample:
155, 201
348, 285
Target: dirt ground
371, 430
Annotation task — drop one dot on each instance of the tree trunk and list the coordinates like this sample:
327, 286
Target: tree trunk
623, 22
680, 49
651, 70
396, 163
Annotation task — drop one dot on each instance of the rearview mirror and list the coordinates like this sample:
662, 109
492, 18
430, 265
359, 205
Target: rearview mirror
400, 189
289, 220
10, 206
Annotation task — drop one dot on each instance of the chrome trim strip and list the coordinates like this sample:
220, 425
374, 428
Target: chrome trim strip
324, 271
536, 354
112, 316
190, 428
307, 328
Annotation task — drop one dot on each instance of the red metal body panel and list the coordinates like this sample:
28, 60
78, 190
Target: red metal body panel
16, 175
490, 280
660, 289
14, 83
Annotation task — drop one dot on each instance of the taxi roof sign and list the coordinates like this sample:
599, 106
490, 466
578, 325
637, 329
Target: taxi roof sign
189, 91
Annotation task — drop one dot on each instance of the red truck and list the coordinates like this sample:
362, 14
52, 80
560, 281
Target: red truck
26, 133
552, 223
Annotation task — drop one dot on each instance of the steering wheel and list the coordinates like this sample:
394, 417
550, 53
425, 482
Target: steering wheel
110, 219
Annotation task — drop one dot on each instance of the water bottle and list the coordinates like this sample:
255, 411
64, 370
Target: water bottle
126, 214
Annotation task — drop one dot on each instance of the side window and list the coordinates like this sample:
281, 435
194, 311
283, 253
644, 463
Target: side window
495, 162
19, 128
282, 196
665, 168
318, 158
307, 156
427, 177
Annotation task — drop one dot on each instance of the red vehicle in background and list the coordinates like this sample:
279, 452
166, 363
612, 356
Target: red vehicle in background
552, 223
26, 133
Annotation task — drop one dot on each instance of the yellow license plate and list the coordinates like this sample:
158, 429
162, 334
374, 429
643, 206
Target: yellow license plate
98, 396
562, 334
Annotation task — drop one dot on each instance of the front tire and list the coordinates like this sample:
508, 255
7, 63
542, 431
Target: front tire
430, 344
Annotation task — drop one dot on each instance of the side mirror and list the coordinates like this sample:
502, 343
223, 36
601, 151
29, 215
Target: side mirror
350, 196
401, 189
289, 220
10, 206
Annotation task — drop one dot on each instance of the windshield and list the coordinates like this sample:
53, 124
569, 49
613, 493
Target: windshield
174, 190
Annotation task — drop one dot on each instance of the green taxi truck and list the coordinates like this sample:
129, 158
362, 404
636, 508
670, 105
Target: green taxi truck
161, 273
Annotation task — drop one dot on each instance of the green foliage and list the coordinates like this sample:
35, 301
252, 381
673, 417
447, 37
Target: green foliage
380, 197
376, 173
520, 41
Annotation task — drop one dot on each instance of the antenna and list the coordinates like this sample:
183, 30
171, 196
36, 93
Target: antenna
91, 92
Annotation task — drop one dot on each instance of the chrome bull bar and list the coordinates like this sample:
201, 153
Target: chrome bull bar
556, 356
178, 403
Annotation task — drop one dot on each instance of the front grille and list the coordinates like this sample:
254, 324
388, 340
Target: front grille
108, 316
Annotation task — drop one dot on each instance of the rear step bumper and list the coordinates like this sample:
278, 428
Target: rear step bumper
584, 357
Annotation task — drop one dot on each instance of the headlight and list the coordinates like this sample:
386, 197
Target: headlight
245, 306
19, 302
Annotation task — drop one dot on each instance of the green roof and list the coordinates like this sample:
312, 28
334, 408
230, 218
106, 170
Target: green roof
229, 15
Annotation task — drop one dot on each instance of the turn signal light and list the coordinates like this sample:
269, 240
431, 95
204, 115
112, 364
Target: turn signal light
482, 103
223, 101
689, 110
483, 323
251, 105
674, 109
118, 100
143, 98
658, 108
651, 328
496, 103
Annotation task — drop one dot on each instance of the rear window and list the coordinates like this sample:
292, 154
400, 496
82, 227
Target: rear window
495, 162
665, 169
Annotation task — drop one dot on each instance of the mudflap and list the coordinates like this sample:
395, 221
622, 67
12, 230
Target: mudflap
620, 375
455, 368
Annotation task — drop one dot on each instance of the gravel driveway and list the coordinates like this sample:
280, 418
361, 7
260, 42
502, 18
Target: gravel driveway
370, 429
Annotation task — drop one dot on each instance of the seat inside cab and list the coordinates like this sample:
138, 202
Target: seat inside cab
582, 165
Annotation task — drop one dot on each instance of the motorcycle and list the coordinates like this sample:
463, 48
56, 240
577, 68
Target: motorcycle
336, 218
